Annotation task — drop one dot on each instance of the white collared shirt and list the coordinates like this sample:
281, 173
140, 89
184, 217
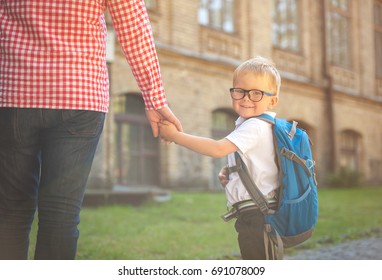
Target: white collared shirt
254, 139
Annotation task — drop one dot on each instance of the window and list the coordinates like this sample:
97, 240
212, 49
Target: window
350, 153
338, 30
217, 14
223, 122
137, 151
286, 25
378, 37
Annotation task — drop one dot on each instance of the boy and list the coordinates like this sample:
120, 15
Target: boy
256, 86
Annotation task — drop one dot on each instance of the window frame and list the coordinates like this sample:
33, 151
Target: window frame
208, 18
350, 155
131, 157
277, 36
223, 123
343, 57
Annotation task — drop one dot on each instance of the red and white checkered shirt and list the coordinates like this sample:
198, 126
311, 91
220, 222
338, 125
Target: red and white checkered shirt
52, 53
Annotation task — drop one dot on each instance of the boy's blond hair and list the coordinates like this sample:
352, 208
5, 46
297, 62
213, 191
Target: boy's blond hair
263, 67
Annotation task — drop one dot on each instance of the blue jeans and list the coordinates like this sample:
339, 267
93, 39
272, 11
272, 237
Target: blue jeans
45, 159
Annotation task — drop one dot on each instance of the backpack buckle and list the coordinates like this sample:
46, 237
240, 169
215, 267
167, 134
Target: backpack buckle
235, 168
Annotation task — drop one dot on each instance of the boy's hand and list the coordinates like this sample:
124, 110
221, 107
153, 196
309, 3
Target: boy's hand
167, 131
224, 176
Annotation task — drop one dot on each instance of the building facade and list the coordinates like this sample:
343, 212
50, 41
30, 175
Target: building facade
329, 53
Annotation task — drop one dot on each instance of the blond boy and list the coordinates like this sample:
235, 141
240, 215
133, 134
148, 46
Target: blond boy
255, 91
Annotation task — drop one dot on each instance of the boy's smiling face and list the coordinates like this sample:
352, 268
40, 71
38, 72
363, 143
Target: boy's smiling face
247, 108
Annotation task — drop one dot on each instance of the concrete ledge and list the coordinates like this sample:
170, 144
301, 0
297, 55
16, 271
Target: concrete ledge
132, 195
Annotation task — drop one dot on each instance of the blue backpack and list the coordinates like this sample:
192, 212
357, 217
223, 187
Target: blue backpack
293, 220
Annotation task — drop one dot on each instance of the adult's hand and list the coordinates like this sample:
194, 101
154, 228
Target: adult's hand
156, 116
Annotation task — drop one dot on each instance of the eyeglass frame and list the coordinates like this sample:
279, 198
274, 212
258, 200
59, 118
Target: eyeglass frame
246, 92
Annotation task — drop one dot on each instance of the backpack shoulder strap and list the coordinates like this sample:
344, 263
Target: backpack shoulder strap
267, 118
272, 120
250, 185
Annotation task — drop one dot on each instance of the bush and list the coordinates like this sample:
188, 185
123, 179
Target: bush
346, 178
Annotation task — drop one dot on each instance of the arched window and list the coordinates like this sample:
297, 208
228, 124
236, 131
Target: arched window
223, 122
350, 150
137, 151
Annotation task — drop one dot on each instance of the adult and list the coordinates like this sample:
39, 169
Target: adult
54, 94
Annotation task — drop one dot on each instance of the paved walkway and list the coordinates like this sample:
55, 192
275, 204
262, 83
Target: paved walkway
362, 249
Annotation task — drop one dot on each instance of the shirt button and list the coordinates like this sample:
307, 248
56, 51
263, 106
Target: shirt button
155, 99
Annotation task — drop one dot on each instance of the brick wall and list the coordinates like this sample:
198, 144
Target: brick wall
197, 64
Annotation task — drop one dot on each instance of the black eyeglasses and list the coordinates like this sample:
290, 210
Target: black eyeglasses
253, 94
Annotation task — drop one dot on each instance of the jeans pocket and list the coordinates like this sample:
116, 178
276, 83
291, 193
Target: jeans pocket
83, 123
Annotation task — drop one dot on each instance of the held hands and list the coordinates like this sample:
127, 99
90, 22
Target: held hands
156, 116
167, 131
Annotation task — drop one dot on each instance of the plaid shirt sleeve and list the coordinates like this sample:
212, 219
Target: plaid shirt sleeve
134, 33
52, 53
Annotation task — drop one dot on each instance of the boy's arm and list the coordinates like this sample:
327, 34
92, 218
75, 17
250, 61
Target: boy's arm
202, 145
205, 146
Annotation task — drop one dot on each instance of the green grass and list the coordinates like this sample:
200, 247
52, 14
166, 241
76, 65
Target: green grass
189, 226
348, 214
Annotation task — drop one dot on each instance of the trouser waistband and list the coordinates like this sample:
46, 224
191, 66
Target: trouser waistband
244, 206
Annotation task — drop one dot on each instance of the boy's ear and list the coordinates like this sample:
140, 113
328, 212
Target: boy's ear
274, 101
